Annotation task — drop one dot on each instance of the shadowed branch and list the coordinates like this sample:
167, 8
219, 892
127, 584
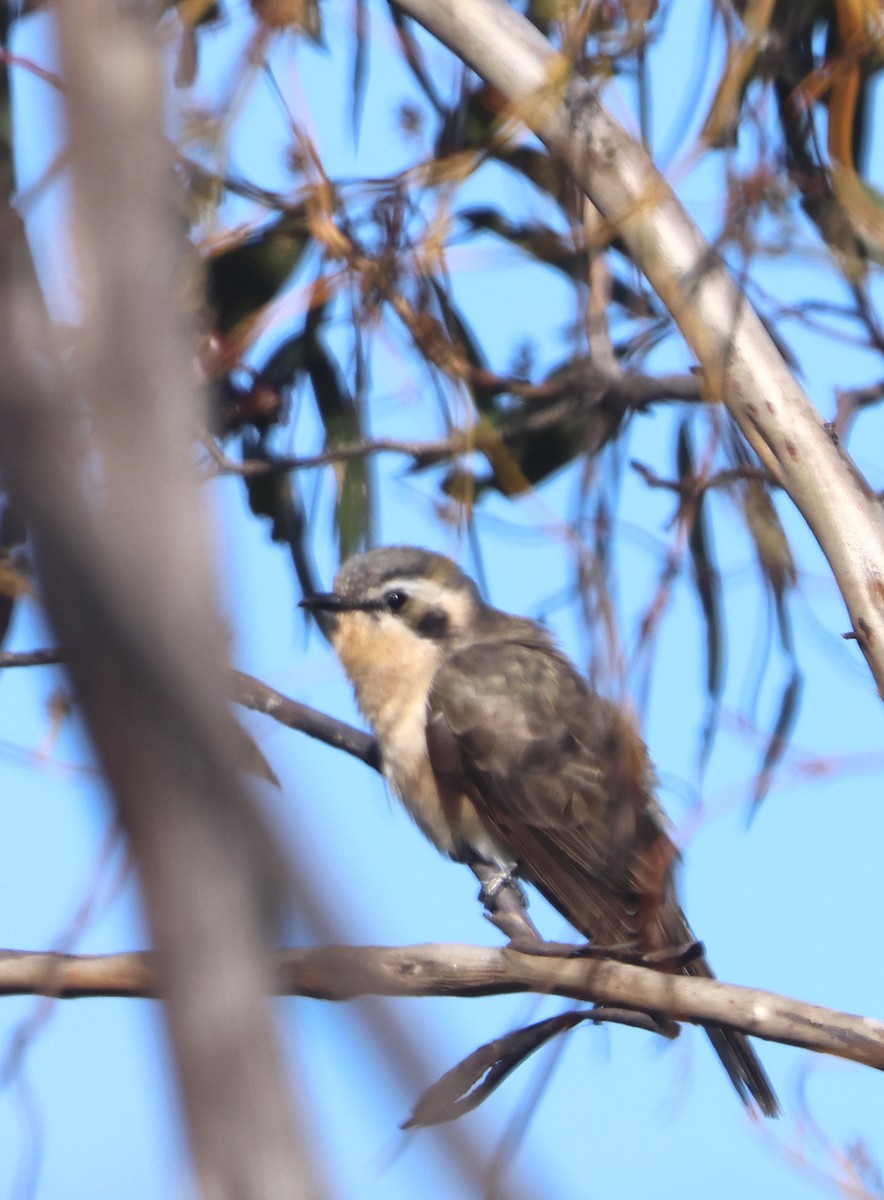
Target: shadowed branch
344, 972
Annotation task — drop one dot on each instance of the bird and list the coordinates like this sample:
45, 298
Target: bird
509, 762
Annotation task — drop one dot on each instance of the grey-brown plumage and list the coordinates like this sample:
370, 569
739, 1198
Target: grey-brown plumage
507, 759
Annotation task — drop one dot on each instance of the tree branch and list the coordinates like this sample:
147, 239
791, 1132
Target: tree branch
31, 658
344, 972
741, 364
260, 697
632, 389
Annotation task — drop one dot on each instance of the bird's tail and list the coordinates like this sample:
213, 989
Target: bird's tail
737, 1056
734, 1049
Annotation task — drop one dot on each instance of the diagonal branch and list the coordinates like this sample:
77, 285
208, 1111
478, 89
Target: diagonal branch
260, 697
742, 367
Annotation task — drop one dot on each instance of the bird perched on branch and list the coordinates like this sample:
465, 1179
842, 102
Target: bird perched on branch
510, 763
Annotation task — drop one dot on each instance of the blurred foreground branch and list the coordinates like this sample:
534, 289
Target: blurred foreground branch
96, 451
344, 972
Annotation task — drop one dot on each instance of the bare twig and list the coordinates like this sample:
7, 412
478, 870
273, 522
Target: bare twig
344, 972
260, 697
254, 694
631, 388
31, 658
343, 452
694, 485
849, 402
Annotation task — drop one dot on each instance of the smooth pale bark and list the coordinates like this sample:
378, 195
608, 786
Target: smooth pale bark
741, 365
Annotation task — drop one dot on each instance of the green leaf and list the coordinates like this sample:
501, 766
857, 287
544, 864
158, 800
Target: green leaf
287, 362
343, 423
464, 342
241, 280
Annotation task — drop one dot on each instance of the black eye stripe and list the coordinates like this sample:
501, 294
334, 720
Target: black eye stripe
433, 624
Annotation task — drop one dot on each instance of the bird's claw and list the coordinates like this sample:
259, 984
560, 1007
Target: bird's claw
496, 881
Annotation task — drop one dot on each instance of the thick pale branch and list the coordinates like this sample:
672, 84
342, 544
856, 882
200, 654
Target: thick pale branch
344, 972
741, 365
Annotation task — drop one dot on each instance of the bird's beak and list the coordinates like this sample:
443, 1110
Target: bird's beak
324, 602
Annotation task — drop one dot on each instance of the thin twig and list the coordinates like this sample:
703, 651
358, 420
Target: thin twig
258, 696
31, 658
254, 694
633, 389
694, 485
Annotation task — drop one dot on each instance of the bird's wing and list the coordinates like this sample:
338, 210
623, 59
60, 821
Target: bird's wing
563, 780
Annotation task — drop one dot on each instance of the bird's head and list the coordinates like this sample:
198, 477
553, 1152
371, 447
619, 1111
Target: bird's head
398, 609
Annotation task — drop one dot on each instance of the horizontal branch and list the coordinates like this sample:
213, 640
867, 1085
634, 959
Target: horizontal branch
561, 398
344, 972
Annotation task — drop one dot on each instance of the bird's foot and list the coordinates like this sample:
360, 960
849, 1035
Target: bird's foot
494, 880
674, 958
506, 906
671, 958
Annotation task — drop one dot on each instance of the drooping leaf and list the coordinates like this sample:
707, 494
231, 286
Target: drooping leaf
274, 494
579, 414
707, 582
465, 343
361, 43
249, 755
12, 582
242, 279
470, 124
767, 532
287, 362
787, 715
343, 423
472, 1081
270, 493
572, 413
414, 57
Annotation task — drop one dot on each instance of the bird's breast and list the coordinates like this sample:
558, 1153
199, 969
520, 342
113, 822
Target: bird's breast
445, 815
392, 682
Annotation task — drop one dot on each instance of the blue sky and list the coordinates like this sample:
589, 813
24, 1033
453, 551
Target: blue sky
793, 904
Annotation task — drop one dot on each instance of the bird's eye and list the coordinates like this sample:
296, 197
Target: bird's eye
395, 600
